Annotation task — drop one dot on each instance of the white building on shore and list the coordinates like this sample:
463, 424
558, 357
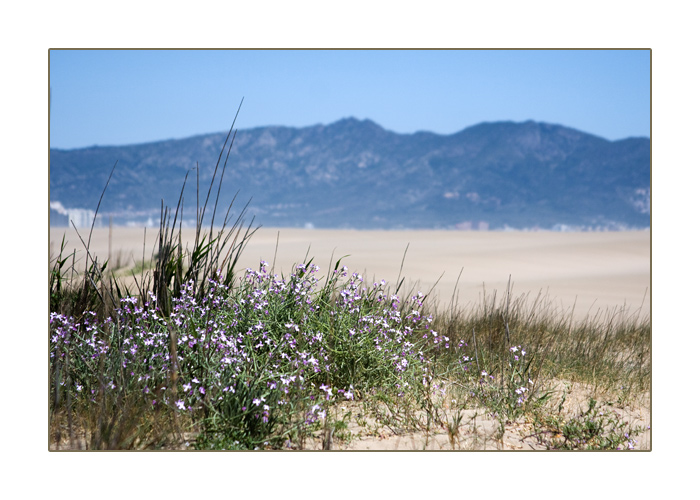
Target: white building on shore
81, 217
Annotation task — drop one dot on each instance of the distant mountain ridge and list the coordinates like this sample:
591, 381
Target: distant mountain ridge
355, 174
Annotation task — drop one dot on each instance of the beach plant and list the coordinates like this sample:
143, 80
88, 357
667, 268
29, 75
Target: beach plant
596, 428
250, 365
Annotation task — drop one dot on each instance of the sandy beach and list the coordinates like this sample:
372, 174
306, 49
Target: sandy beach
584, 271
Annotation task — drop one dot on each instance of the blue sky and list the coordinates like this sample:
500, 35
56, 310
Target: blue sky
106, 97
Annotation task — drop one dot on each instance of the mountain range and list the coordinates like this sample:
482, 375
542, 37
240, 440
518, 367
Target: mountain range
355, 174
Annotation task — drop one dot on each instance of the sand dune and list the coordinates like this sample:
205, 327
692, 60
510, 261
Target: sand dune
591, 270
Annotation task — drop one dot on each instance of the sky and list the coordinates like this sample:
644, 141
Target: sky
118, 97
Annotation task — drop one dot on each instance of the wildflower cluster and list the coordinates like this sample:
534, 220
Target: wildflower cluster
520, 389
508, 394
250, 361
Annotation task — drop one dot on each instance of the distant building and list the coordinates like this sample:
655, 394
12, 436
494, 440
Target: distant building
464, 226
483, 226
61, 216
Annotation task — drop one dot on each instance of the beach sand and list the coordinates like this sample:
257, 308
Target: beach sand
587, 272
598, 273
